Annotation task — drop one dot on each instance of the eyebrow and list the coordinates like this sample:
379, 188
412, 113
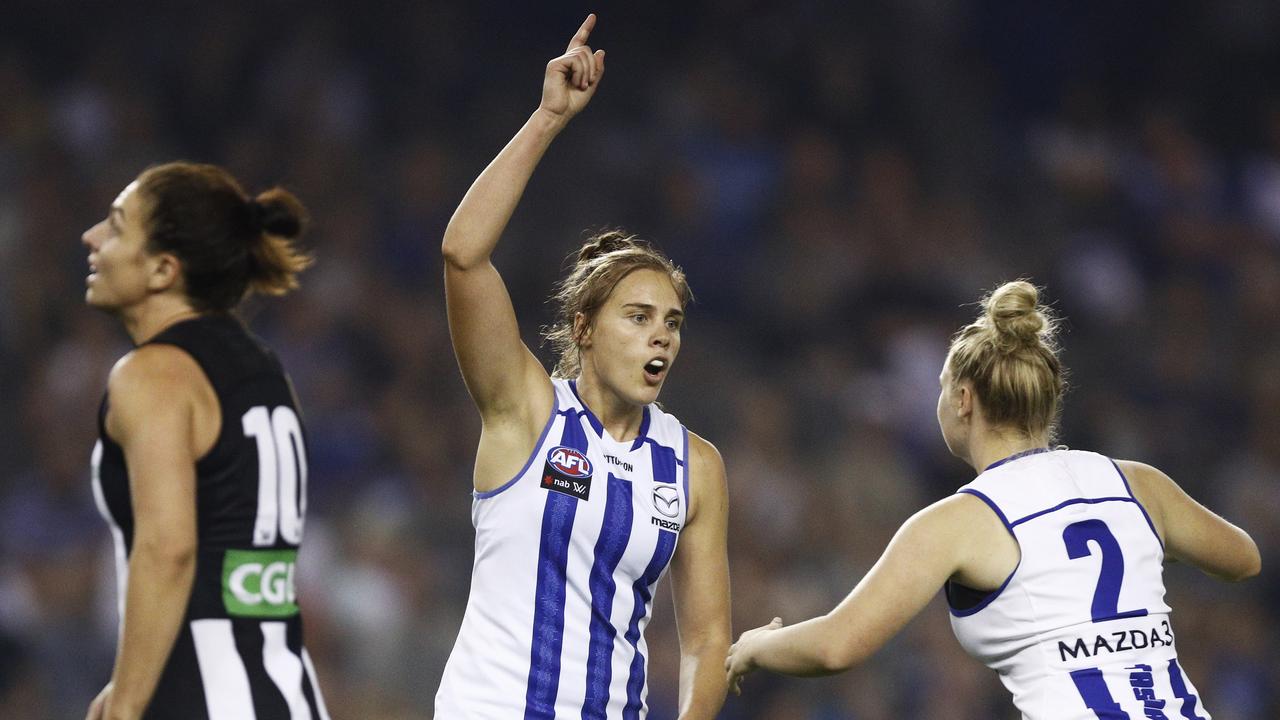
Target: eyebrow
650, 308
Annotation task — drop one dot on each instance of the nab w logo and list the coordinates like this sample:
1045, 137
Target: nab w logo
568, 472
569, 462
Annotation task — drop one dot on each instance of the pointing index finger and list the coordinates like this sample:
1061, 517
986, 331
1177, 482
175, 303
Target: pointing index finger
584, 32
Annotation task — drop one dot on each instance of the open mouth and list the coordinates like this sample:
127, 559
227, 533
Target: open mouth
655, 369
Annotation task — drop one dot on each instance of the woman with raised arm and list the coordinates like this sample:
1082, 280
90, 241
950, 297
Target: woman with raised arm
201, 464
1051, 559
583, 485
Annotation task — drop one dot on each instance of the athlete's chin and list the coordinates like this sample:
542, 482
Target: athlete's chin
648, 393
97, 302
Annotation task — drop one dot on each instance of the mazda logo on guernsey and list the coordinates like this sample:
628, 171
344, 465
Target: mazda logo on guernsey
666, 500
569, 461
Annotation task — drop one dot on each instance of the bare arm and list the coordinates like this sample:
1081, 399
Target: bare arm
499, 370
700, 586
158, 394
932, 546
1192, 533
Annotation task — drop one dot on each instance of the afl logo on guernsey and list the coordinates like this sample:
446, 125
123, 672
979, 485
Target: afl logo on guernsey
569, 461
567, 471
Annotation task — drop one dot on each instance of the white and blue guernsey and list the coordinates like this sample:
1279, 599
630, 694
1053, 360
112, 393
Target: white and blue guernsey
1080, 630
568, 554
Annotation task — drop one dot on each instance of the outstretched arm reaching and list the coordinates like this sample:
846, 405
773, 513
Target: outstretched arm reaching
951, 537
508, 384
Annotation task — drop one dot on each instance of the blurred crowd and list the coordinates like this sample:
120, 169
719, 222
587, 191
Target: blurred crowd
841, 181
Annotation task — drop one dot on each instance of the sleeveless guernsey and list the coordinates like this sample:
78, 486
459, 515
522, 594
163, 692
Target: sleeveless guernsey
567, 556
1080, 630
238, 654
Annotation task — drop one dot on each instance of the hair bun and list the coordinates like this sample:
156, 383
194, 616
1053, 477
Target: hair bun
1014, 312
1010, 355
607, 242
277, 212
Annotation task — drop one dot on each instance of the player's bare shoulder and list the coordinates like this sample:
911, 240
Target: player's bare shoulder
155, 377
707, 479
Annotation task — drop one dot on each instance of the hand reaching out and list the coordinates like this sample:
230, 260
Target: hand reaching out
571, 79
741, 660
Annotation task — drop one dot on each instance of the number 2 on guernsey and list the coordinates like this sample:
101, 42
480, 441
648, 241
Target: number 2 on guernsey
1107, 593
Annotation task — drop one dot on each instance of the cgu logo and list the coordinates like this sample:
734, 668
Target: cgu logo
254, 583
569, 461
259, 583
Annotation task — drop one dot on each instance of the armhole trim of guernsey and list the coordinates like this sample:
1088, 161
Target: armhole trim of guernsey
555, 410
974, 609
991, 504
685, 464
1137, 502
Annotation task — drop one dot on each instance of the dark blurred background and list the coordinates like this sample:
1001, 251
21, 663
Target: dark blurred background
840, 180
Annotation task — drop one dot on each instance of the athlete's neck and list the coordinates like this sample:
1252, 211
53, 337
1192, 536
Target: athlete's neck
159, 313
992, 445
620, 418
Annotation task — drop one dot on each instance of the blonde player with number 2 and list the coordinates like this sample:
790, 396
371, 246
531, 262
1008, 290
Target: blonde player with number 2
1052, 559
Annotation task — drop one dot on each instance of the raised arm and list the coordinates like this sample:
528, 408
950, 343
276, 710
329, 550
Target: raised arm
500, 372
1192, 533
163, 414
945, 539
700, 586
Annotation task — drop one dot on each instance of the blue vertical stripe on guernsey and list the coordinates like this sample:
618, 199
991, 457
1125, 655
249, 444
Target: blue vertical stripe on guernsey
1093, 688
664, 463
1181, 692
548, 609
661, 556
615, 533
664, 471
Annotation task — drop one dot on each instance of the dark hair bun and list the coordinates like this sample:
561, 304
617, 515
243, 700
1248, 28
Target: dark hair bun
274, 260
280, 213
607, 242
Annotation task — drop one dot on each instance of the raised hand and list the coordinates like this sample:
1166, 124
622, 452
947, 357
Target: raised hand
571, 79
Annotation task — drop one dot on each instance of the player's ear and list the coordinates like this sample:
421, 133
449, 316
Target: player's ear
582, 330
964, 399
165, 271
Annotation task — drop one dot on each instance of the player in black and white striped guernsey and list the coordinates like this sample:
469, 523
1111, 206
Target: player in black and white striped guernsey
201, 465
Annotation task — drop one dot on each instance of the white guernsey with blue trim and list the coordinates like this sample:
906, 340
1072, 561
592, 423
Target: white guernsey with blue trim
1080, 630
568, 554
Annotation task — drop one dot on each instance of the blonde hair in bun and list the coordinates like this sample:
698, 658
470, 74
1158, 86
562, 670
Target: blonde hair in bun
1010, 354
